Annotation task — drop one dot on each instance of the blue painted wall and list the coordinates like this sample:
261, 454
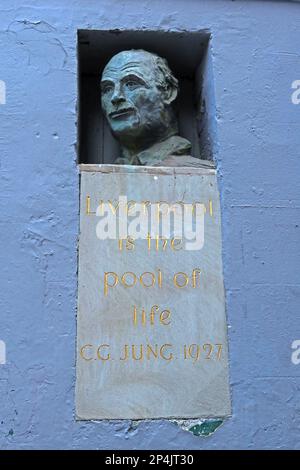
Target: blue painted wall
255, 57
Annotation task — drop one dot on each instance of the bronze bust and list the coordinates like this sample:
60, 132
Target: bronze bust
138, 90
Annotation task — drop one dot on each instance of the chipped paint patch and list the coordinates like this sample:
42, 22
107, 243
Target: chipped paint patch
206, 428
203, 428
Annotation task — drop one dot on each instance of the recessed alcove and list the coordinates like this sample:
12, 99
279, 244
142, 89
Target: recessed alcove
188, 55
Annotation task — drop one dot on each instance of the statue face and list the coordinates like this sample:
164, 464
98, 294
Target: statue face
130, 98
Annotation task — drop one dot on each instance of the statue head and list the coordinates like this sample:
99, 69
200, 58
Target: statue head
137, 93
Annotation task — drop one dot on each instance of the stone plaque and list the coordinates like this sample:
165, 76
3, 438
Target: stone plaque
151, 325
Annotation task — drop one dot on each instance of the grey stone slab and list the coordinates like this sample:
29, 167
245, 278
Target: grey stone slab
155, 386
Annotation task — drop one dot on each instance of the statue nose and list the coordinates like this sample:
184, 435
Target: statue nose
118, 96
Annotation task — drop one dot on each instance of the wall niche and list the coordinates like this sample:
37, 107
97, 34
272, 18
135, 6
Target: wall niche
188, 55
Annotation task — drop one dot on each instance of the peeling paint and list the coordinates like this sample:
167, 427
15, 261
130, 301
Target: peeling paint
205, 428
199, 427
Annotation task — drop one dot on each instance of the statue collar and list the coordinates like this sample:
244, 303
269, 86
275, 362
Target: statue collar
174, 145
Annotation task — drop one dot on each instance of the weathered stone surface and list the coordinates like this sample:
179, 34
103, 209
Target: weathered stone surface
154, 387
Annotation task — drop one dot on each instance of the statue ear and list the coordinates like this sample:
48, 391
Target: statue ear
170, 93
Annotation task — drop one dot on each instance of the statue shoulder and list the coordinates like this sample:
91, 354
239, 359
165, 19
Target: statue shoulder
185, 160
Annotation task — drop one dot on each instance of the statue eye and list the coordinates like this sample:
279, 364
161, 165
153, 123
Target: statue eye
131, 84
106, 89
